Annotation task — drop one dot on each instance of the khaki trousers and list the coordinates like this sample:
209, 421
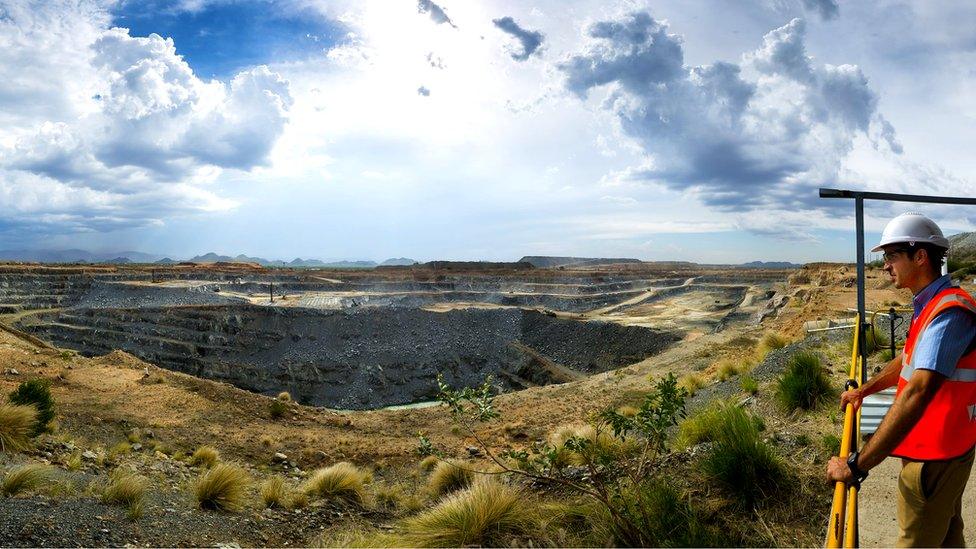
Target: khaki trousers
930, 502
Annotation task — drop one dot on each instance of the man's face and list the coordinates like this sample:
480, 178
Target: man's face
900, 265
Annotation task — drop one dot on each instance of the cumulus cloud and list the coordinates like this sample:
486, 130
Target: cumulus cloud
422, 90
760, 133
529, 40
435, 12
827, 9
127, 122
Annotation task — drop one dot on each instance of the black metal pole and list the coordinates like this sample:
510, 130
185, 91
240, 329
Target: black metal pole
859, 222
271, 291
891, 324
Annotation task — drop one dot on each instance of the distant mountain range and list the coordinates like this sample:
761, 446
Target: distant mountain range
83, 256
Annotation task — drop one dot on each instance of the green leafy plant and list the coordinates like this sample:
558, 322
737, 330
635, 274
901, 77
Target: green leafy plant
36, 392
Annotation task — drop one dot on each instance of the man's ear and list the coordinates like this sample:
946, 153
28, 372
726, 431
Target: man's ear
922, 257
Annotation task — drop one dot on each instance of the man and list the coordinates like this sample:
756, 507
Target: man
932, 423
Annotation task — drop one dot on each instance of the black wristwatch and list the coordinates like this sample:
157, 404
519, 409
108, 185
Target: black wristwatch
859, 475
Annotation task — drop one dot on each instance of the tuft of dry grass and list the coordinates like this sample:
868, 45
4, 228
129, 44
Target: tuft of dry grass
16, 426
342, 481
428, 463
770, 342
729, 367
125, 489
564, 456
25, 477
691, 383
449, 476
222, 488
274, 493
206, 456
388, 496
284, 396
487, 514
627, 411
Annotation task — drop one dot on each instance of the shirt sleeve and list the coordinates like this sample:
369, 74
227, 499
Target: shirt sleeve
945, 341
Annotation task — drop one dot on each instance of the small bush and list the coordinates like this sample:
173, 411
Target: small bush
804, 384
277, 409
284, 396
729, 367
740, 461
706, 425
749, 385
831, 443
342, 481
125, 489
274, 493
449, 476
487, 514
770, 342
206, 456
16, 425
691, 383
25, 477
222, 488
656, 515
36, 392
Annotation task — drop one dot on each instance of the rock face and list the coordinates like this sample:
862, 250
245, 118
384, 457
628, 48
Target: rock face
358, 358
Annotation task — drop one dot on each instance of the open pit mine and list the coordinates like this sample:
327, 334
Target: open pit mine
377, 338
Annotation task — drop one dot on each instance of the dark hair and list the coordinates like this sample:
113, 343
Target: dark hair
936, 255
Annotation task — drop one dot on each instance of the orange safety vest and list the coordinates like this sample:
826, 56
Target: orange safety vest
947, 428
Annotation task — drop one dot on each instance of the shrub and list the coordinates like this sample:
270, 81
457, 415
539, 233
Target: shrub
125, 489
740, 461
449, 476
274, 492
804, 384
342, 481
36, 392
277, 409
25, 477
691, 383
770, 342
206, 456
487, 514
749, 385
656, 515
284, 396
222, 488
16, 425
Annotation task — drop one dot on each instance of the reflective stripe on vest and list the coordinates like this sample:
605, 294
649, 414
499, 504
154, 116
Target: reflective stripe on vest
947, 428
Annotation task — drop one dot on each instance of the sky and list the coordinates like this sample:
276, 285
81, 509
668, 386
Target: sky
695, 130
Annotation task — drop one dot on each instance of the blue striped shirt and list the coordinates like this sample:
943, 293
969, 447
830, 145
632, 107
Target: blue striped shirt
948, 337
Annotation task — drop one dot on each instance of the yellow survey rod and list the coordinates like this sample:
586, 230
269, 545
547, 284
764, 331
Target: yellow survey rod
851, 535
836, 526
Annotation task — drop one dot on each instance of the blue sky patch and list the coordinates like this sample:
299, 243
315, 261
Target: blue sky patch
224, 37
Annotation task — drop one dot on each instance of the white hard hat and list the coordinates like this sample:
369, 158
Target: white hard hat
912, 228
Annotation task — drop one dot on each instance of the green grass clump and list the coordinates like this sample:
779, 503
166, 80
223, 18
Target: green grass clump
449, 476
770, 342
342, 481
487, 514
274, 493
691, 383
831, 443
729, 367
749, 385
657, 515
707, 424
206, 456
804, 384
222, 488
25, 477
739, 460
277, 409
36, 392
126, 489
16, 425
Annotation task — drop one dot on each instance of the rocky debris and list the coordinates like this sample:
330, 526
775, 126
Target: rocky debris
11, 371
120, 295
772, 307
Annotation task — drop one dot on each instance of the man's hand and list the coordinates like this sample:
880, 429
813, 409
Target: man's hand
852, 397
838, 471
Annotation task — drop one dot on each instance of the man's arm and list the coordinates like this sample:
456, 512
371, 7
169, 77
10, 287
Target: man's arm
902, 416
888, 377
